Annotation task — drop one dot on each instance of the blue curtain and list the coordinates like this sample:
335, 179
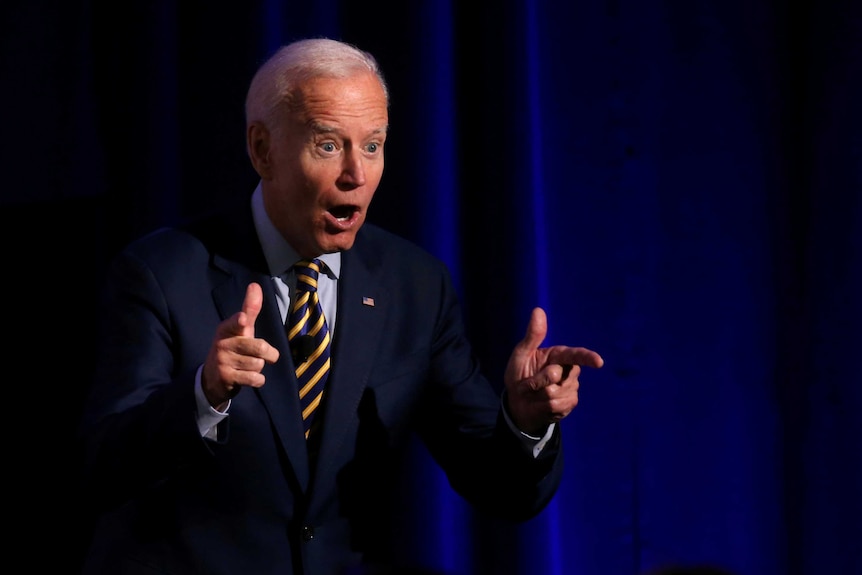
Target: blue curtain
677, 183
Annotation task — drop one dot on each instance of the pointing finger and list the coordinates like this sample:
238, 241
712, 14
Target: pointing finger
562, 355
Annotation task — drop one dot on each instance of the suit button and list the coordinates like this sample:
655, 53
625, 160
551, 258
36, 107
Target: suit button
307, 533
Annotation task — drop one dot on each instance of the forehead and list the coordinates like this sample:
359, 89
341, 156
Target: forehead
357, 100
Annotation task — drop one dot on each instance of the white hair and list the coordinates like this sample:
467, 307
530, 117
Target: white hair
274, 85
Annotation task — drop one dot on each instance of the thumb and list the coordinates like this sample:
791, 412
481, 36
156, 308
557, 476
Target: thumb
250, 309
537, 329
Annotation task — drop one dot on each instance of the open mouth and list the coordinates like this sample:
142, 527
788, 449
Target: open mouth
343, 218
343, 213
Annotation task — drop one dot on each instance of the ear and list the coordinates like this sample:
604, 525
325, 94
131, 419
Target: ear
257, 143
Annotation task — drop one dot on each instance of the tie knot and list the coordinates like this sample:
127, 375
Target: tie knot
306, 274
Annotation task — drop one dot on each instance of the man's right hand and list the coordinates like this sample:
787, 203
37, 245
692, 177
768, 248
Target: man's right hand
236, 358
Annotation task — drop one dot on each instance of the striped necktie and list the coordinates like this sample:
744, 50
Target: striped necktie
309, 340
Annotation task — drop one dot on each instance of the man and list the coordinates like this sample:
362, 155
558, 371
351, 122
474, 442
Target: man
198, 458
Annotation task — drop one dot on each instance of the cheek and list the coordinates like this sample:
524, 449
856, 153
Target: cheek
376, 171
314, 177
297, 185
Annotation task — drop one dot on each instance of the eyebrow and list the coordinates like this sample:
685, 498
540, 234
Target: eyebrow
320, 128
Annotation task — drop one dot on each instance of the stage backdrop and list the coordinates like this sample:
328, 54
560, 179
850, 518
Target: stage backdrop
677, 183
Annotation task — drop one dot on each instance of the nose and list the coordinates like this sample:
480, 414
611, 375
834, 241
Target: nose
352, 169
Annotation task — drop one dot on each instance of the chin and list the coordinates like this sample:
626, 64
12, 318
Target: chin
339, 243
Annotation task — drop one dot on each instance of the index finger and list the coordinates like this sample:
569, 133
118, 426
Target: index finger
563, 355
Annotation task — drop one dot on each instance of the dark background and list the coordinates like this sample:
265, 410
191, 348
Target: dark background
678, 183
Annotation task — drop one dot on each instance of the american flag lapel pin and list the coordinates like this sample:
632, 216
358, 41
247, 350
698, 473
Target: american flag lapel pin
369, 301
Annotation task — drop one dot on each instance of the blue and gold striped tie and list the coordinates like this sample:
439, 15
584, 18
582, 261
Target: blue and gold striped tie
309, 340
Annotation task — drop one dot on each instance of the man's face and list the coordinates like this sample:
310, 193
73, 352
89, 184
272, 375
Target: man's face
320, 171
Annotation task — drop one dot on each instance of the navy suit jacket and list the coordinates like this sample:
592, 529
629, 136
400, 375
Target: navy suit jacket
259, 500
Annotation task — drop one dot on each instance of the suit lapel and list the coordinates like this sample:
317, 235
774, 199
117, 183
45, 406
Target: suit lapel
362, 311
279, 394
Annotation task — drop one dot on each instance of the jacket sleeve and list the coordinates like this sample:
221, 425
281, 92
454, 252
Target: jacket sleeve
462, 424
139, 420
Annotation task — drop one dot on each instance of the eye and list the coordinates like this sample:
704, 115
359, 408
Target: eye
328, 147
372, 148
